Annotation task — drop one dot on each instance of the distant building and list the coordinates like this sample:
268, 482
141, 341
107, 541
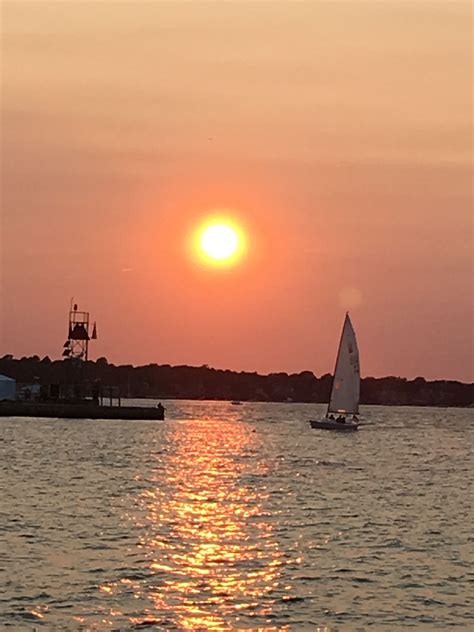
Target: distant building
7, 387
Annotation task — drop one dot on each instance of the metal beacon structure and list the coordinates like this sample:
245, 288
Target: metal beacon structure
79, 334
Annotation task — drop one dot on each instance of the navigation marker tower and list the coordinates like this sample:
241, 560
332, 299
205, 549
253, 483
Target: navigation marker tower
79, 334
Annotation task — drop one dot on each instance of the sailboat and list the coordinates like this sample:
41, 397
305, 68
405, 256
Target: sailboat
344, 400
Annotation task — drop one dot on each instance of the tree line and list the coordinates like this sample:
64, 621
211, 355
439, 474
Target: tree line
204, 382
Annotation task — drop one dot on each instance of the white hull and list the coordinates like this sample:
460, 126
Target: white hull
338, 426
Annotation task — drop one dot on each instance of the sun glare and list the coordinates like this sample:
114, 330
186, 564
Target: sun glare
220, 242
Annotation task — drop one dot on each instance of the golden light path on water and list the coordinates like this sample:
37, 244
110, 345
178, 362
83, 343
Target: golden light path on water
207, 541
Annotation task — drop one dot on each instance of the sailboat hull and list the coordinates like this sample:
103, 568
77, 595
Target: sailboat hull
329, 424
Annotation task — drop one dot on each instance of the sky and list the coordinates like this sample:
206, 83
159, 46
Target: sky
337, 135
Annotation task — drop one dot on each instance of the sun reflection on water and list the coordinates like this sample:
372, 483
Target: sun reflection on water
208, 543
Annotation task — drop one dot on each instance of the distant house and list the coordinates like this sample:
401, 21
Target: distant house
7, 387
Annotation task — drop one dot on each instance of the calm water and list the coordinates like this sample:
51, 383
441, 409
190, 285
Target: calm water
229, 517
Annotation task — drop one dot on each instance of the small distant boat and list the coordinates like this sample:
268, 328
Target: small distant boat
343, 406
236, 403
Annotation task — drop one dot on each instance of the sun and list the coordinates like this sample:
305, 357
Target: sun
220, 242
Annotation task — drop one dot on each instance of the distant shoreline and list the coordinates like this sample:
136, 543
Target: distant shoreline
155, 381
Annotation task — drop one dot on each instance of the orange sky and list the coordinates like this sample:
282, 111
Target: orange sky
338, 132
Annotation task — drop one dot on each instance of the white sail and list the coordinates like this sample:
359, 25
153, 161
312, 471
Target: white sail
346, 383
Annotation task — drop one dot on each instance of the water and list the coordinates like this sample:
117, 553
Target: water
237, 517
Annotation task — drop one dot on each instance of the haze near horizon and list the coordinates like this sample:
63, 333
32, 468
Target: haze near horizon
335, 136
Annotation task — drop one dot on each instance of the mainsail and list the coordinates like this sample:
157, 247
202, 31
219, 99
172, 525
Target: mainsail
346, 383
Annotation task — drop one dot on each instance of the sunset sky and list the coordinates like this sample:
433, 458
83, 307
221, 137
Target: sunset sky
336, 135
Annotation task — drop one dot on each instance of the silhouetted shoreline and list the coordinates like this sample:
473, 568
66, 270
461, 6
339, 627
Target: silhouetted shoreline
189, 382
